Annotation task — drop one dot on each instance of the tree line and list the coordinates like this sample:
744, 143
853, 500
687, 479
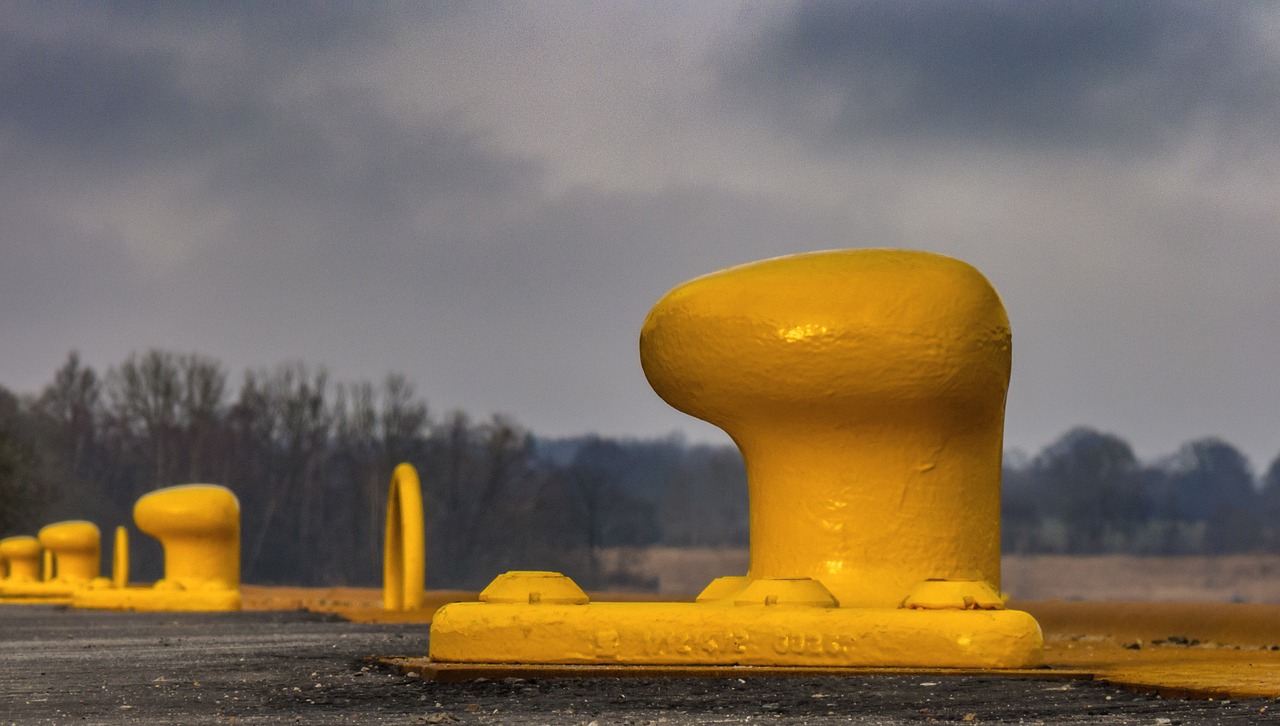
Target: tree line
1087, 493
310, 460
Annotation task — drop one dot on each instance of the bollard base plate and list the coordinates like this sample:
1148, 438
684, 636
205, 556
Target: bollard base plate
718, 633
144, 599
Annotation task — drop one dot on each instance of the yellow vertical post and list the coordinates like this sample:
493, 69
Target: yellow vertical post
120, 559
404, 547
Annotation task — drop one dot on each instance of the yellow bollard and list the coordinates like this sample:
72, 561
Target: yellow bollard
199, 528
404, 549
75, 546
866, 391
70, 561
21, 557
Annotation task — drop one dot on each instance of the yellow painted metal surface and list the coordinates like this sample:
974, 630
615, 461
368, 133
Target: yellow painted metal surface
199, 527
404, 552
866, 391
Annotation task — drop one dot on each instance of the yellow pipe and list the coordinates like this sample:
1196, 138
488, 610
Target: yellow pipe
120, 559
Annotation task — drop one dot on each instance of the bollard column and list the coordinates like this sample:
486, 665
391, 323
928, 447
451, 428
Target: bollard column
866, 391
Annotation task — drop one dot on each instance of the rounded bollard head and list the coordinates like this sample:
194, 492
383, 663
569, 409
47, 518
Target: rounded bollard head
70, 536
188, 509
20, 547
828, 333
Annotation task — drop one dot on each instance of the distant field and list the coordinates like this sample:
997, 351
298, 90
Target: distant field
1236, 578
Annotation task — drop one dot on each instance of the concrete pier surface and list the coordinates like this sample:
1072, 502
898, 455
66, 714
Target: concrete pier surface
59, 666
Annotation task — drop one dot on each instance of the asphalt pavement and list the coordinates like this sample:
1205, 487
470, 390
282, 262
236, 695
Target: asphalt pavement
59, 666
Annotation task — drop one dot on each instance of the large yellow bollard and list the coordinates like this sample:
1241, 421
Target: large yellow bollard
866, 391
404, 548
199, 527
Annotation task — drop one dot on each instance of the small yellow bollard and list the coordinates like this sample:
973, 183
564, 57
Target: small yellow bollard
199, 528
866, 391
404, 549
70, 561
21, 558
76, 549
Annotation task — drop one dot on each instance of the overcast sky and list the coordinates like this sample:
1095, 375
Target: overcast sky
488, 197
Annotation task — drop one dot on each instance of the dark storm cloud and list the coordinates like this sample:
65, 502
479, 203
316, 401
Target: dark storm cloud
82, 107
90, 101
1088, 73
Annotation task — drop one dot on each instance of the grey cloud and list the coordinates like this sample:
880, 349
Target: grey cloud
89, 101
283, 29
1087, 73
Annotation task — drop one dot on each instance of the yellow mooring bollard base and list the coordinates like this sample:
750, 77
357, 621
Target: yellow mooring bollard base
199, 527
770, 631
866, 391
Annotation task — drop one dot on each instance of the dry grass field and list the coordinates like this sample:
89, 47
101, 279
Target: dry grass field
1237, 578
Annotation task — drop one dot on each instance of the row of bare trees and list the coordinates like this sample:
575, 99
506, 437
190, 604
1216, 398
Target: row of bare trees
310, 460
1087, 493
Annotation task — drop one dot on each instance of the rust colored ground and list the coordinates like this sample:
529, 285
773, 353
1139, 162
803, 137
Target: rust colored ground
1178, 650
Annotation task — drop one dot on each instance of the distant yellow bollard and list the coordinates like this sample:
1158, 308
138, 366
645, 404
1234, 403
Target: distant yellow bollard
199, 527
866, 391
22, 559
76, 550
404, 548
68, 555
